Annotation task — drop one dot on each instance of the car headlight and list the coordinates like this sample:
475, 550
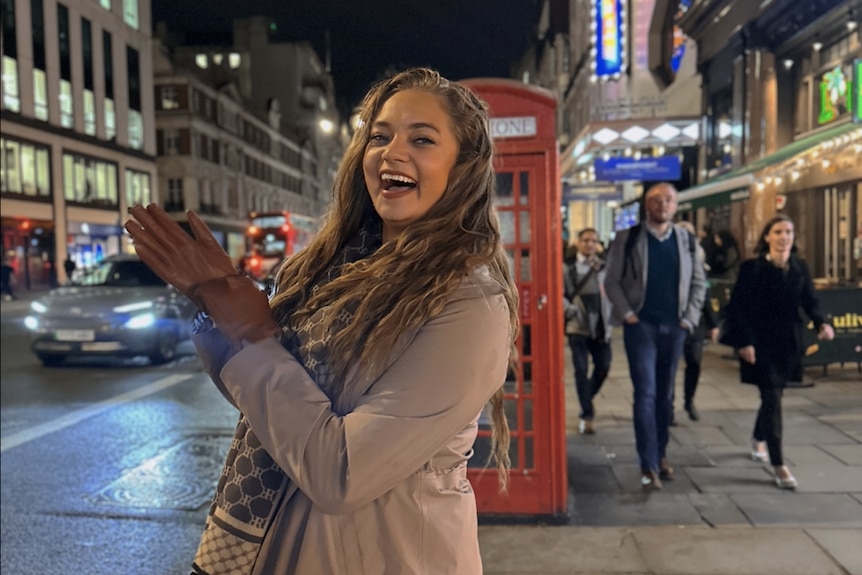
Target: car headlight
38, 307
31, 323
137, 306
141, 321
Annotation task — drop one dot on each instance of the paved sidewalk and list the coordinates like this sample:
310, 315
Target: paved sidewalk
722, 515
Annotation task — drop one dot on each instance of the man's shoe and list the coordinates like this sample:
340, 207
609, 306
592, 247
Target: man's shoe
585, 427
666, 472
784, 479
692, 412
650, 481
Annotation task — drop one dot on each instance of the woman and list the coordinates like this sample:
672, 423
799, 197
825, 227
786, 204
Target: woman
394, 328
767, 327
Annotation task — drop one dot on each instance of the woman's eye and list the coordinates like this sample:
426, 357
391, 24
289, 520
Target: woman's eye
423, 140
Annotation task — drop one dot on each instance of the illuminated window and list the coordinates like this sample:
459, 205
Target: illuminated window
110, 120
137, 188
10, 84
233, 60
218, 59
106, 4
89, 181
89, 113
130, 13
172, 142
136, 130
169, 98
40, 95
201, 61
67, 117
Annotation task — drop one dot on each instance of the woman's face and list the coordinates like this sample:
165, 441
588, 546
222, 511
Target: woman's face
780, 237
410, 153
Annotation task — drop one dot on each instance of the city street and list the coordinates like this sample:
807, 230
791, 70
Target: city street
108, 467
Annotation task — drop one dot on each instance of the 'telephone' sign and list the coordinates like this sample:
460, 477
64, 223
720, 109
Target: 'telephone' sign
856, 91
608, 38
513, 127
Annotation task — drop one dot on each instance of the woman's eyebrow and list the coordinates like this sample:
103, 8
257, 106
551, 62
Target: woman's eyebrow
413, 126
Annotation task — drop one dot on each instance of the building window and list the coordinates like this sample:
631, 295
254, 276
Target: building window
130, 13
106, 4
89, 181
136, 120
11, 96
169, 99
174, 201
138, 188
67, 114
201, 61
107, 47
172, 142
233, 60
110, 120
40, 95
24, 169
89, 113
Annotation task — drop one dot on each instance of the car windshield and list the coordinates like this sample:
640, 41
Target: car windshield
120, 273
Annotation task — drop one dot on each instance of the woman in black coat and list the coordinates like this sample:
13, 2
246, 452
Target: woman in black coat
767, 331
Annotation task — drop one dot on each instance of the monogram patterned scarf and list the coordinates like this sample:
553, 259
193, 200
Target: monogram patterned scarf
252, 486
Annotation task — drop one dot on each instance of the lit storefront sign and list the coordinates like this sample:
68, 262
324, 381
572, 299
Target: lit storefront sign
609, 39
664, 168
856, 91
837, 91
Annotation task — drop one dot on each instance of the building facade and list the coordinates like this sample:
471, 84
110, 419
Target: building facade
629, 103
220, 159
781, 92
77, 142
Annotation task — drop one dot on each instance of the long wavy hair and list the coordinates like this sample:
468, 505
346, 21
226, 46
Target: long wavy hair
408, 280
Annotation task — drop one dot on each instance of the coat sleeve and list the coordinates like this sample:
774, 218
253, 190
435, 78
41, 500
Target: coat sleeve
434, 389
809, 301
570, 310
620, 306
741, 310
696, 293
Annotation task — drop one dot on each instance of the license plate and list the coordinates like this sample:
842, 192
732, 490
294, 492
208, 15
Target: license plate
76, 335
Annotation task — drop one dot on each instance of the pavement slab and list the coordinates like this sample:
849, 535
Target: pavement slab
733, 479
634, 509
828, 479
732, 551
811, 456
701, 435
814, 434
593, 479
717, 509
527, 549
843, 545
800, 509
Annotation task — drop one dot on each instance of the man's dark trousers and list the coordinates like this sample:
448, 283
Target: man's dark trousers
588, 387
653, 352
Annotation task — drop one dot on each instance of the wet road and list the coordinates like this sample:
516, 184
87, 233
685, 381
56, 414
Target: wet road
106, 466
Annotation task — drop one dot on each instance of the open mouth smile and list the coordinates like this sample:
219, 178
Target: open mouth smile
397, 183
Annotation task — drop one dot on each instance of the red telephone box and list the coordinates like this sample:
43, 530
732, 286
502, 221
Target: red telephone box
528, 203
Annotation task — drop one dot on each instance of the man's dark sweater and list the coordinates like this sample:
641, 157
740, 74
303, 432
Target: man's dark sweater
661, 300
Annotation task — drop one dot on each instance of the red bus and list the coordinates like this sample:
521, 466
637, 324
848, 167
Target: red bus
273, 236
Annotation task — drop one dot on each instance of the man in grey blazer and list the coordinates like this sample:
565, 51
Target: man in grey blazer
656, 292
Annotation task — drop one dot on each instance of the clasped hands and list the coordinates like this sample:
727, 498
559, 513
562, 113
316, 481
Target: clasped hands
201, 270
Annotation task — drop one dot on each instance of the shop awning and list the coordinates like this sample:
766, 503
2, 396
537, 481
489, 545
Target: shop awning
723, 188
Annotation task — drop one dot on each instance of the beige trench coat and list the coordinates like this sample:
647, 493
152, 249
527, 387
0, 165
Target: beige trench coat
382, 489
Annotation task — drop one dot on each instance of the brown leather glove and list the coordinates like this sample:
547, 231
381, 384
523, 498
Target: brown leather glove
201, 270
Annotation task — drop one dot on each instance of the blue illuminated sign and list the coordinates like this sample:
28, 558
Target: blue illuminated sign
609, 39
664, 168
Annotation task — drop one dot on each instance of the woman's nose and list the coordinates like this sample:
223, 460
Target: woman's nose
395, 150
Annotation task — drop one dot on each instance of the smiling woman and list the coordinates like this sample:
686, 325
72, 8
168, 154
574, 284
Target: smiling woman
393, 330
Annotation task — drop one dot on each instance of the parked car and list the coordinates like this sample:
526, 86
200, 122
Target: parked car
120, 307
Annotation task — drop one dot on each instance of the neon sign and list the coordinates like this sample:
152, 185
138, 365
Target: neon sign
608, 38
836, 95
856, 91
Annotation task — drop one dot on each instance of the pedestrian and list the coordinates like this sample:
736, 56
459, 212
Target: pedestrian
7, 280
692, 348
588, 328
656, 288
766, 328
69, 266
393, 329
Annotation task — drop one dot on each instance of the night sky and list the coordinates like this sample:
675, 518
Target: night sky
371, 38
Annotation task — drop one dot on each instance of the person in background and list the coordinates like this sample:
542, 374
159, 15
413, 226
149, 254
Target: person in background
7, 280
656, 288
767, 331
361, 383
692, 349
588, 329
69, 266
